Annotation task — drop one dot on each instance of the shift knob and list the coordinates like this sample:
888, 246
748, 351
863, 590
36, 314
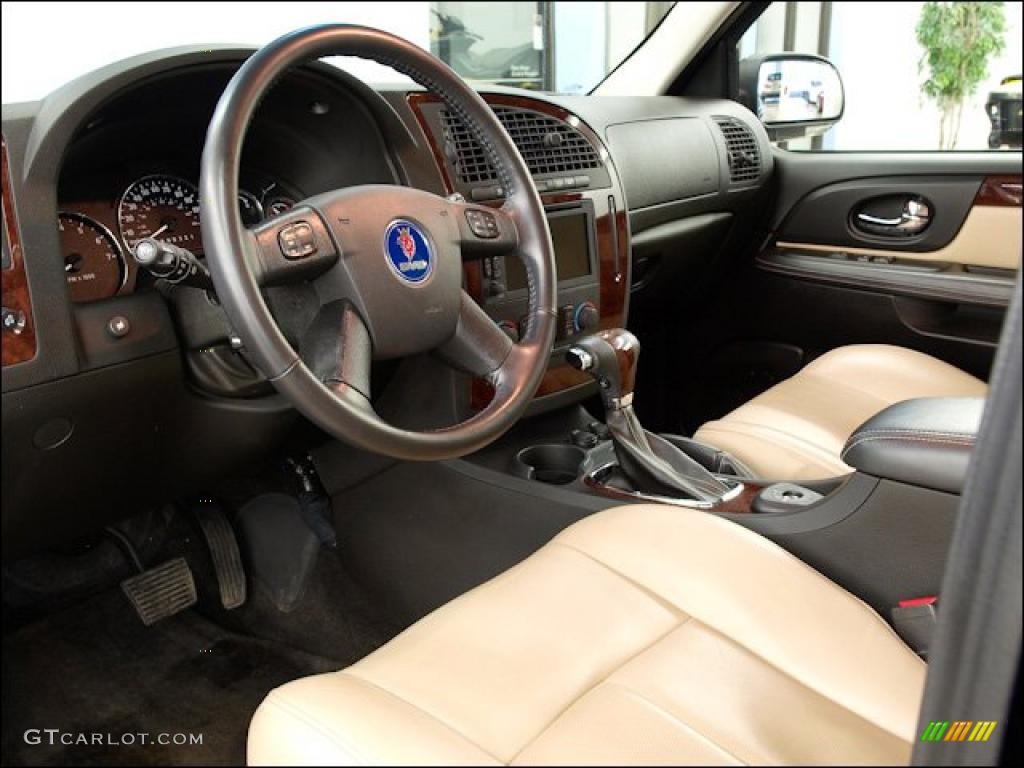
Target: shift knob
611, 358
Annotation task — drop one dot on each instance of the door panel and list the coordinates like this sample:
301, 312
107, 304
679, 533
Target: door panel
815, 283
985, 232
839, 221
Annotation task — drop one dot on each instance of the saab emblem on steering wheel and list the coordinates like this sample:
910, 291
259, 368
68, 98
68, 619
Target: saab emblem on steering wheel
408, 251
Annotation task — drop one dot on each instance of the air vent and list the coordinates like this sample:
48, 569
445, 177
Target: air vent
744, 155
546, 144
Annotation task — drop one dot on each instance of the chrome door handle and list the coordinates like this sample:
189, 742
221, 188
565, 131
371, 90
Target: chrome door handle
869, 219
915, 217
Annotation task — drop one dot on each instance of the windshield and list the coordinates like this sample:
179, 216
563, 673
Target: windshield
558, 47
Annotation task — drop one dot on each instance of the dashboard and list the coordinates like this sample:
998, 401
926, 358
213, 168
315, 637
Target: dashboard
132, 170
98, 237
100, 360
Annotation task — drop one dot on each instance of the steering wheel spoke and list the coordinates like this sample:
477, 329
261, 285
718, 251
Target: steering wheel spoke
484, 231
338, 351
478, 346
291, 247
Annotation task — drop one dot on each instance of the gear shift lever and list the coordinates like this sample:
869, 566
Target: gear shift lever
650, 461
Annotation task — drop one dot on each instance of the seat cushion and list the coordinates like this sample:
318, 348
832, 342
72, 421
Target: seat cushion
644, 634
796, 430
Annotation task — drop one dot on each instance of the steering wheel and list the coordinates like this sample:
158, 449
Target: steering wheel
386, 262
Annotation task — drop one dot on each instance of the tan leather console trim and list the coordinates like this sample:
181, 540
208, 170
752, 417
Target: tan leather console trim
990, 237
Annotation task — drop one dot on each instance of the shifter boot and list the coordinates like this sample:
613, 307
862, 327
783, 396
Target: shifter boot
657, 466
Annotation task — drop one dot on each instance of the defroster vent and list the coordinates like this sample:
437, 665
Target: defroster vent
744, 154
547, 145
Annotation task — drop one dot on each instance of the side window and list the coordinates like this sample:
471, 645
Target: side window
918, 76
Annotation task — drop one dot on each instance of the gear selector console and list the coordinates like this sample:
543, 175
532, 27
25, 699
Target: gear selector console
651, 462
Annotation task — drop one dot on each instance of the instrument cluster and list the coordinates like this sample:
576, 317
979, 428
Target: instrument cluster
98, 238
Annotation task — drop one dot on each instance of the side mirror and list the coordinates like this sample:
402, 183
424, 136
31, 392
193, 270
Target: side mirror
793, 94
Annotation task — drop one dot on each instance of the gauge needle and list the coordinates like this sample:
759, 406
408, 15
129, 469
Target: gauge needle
159, 231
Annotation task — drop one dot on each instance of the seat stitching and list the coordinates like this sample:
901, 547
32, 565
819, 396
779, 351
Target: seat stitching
912, 431
673, 716
831, 382
905, 438
615, 668
731, 426
278, 700
795, 679
869, 612
660, 599
347, 673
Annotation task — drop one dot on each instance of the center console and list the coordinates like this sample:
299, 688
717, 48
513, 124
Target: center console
583, 197
573, 236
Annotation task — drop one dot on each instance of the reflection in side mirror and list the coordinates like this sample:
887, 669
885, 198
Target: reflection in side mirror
794, 94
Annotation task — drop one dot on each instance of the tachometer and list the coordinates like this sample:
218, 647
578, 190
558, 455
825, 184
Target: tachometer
164, 207
93, 263
279, 204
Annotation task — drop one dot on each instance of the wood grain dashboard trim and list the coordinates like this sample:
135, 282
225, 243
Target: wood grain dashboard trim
1002, 191
741, 504
17, 347
611, 228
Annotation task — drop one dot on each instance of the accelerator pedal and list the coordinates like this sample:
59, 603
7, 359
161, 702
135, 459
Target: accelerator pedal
161, 591
227, 560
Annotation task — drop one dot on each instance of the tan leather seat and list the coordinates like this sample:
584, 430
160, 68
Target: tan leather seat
796, 430
645, 635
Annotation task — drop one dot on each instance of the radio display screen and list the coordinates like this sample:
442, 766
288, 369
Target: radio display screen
570, 236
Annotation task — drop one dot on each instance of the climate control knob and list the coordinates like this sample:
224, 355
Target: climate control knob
585, 318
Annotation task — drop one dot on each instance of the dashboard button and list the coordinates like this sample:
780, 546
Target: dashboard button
585, 318
119, 327
14, 320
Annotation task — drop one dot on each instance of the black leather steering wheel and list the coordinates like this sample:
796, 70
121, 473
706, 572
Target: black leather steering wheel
386, 262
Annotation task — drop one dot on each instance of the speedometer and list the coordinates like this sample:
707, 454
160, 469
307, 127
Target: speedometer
164, 207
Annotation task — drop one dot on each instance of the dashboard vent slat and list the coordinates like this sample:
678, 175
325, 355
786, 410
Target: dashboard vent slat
744, 154
547, 145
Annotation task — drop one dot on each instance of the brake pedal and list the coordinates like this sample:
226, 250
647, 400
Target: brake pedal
162, 591
227, 560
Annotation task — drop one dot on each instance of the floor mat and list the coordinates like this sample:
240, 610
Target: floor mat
103, 679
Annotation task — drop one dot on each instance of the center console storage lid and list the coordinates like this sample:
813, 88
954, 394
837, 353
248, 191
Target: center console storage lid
925, 442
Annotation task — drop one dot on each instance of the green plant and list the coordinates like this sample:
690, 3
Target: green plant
958, 41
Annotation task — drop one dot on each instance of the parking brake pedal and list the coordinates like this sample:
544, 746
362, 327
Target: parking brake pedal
227, 560
161, 591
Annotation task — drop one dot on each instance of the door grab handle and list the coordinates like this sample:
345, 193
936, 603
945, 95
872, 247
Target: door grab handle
868, 218
915, 217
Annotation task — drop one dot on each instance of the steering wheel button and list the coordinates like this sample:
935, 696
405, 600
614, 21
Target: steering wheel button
482, 223
297, 240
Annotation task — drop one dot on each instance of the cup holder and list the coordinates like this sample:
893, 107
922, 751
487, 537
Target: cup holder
552, 464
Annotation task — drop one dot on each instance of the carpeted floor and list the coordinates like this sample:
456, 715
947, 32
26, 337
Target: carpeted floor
95, 669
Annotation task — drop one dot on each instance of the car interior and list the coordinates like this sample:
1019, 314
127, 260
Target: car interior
455, 423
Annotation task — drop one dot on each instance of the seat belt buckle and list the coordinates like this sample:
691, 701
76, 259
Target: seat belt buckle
914, 620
